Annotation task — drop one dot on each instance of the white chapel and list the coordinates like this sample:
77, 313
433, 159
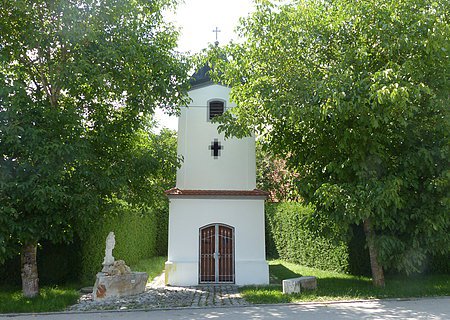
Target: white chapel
216, 214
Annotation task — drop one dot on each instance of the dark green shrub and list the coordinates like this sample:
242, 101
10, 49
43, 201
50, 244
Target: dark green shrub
140, 234
359, 261
10, 271
297, 233
271, 247
438, 264
302, 236
162, 232
57, 264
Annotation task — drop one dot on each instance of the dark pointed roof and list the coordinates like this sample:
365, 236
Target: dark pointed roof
201, 77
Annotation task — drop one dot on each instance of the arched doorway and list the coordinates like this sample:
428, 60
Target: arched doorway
216, 263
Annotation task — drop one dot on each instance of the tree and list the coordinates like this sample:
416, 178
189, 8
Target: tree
356, 93
154, 153
78, 83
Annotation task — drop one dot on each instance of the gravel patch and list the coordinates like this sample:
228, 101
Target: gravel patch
157, 297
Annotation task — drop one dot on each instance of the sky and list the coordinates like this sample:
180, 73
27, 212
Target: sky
196, 20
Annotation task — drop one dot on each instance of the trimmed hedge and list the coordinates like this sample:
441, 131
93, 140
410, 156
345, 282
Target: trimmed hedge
140, 234
162, 234
296, 233
301, 236
135, 233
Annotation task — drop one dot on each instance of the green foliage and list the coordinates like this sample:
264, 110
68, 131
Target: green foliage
50, 299
303, 237
135, 232
79, 82
147, 191
273, 176
146, 207
355, 96
338, 286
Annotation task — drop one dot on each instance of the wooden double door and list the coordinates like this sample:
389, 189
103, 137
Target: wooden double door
216, 263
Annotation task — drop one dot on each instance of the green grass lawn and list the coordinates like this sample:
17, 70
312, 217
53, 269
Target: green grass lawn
338, 286
153, 266
59, 298
331, 286
50, 299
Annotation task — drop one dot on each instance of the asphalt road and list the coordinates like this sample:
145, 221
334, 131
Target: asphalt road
427, 308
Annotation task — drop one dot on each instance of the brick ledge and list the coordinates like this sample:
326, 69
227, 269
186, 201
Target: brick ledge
239, 193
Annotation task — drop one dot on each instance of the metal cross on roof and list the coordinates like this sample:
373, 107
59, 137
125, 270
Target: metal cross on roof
217, 32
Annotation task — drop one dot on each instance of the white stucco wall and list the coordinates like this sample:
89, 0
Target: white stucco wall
188, 215
234, 169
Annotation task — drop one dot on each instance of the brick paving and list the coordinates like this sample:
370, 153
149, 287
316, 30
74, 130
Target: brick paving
158, 296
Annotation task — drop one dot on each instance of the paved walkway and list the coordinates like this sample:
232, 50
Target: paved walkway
417, 309
156, 296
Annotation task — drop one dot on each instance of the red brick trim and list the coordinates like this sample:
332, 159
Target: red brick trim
228, 193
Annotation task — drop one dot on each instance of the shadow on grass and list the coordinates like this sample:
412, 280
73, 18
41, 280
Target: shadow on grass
344, 288
279, 272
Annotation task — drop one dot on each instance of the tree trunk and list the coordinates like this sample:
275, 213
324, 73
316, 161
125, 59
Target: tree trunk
377, 269
30, 278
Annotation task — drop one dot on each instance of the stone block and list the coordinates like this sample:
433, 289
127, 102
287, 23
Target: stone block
117, 286
291, 286
295, 285
308, 283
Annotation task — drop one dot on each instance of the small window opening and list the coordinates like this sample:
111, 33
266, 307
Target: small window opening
216, 108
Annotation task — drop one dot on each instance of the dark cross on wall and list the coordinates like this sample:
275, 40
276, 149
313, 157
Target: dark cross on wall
215, 148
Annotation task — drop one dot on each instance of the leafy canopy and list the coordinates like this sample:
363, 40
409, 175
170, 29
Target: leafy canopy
356, 95
79, 81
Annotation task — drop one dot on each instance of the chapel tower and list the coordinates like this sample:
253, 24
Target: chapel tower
216, 216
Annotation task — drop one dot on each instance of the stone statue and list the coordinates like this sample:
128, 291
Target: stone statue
116, 279
110, 244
